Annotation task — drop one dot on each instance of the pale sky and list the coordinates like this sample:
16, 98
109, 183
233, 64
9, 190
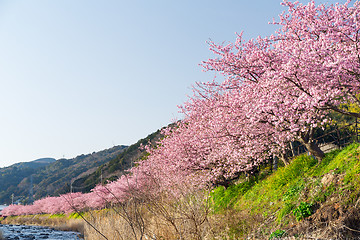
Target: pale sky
78, 76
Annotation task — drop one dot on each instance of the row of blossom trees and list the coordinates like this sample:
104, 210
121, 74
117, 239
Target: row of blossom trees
277, 89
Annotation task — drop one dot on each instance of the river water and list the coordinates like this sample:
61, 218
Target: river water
18, 232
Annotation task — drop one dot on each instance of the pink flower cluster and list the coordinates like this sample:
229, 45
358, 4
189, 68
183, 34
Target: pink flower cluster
277, 89
100, 197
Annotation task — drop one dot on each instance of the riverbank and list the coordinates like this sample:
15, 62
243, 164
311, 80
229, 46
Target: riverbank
304, 200
10, 232
61, 222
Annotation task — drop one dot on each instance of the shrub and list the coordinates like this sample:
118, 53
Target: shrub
302, 211
277, 234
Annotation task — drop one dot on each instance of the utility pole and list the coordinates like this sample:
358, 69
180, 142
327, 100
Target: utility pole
12, 199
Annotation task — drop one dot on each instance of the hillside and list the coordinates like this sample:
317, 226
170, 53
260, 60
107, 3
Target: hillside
56, 178
305, 199
10, 177
42, 162
49, 177
82, 173
113, 169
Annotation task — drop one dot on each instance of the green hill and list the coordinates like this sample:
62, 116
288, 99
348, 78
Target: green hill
42, 162
116, 167
12, 176
56, 178
50, 177
302, 200
47, 177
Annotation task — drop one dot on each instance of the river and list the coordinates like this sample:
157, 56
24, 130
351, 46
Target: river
18, 232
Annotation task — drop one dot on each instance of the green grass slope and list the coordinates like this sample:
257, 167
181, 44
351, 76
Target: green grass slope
303, 200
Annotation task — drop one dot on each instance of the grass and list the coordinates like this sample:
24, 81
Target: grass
268, 206
294, 192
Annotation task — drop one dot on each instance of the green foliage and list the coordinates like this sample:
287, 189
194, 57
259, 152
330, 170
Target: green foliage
277, 234
321, 196
59, 215
267, 196
335, 161
303, 211
294, 191
50, 178
226, 198
74, 215
117, 165
285, 210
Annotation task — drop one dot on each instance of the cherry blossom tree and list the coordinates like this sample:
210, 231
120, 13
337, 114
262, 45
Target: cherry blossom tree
309, 66
321, 45
277, 89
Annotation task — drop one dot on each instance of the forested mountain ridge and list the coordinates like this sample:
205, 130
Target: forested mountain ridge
10, 178
50, 177
45, 177
116, 167
41, 162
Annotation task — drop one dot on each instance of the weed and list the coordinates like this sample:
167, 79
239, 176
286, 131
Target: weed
277, 234
292, 192
225, 198
285, 210
59, 215
303, 211
75, 215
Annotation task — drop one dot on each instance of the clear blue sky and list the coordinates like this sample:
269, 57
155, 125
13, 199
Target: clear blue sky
81, 76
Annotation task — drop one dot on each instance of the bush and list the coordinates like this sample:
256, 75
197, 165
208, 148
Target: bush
277, 234
302, 211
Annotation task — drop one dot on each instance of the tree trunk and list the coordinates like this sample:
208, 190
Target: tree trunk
284, 159
275, 162
315, 150
311, 146
292, 149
